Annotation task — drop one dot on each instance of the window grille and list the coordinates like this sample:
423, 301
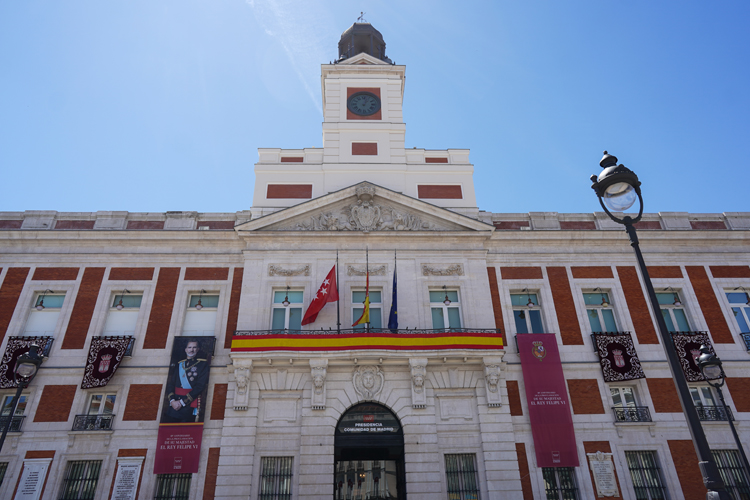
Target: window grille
275, 478
646, 475
80, 480
172, 486
735, 479
3, 468
461, 475
560, 483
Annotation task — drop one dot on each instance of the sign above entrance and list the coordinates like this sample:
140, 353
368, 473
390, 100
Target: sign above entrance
368, 419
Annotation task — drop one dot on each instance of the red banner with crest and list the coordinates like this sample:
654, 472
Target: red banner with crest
547, 396
105, 355
618, 357
688, 350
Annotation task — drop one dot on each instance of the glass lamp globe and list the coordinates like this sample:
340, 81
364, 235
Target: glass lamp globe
712, 371
26, 370
620, 196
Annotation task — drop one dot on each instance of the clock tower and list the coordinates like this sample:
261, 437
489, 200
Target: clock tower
363, 139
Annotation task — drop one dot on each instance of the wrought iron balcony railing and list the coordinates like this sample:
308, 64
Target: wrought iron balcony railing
714, 413
746, 338
15, 423
349, 331
93, 422
632, 414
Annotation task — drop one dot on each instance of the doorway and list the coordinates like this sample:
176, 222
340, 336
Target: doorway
369, 455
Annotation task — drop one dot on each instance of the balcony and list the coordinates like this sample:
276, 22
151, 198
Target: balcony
93, 422
632, 414
746, 338
714, 413
15, 423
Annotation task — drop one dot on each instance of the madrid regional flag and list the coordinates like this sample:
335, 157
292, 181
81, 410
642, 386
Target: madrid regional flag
328, 292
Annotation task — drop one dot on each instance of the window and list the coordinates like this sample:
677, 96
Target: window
702, 396
732, 472
445, 308
705, 403
80, 480
626, 405
646, 475
461, 476
740, 303
200, 318
376, 303
673, 312
17, 418
275, 478
172, 486
599, 311
526, 312
43, 316
123, 314
99, 415
560, 483
3, 469
287, 317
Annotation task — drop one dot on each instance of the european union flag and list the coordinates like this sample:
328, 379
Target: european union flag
393, 317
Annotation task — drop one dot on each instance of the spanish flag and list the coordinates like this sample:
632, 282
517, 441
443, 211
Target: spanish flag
365, 318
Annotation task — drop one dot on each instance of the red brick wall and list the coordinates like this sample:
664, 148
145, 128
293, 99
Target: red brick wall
292, 159
717, 326
234, 306
9, 293
353, 90
40, 454
55, 403
219, 402
589, 272
586, 225
496, 307
664, 395
664, 271
730, 271
567, 317
436, 160
523, 469
145, 224
218, 224
364, 149
686, 464
206, 273
739, 387
83, 309
161, 310
300, 191
585, 396
510, 224
212, 469
604, 447
639, 314
74, 224
143, 402
514, 398
11, 224
707, 224
521, 273
131, 273
55, 274
445, 192
647, 224
125, 452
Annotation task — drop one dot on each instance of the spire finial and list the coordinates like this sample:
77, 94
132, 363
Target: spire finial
361, 18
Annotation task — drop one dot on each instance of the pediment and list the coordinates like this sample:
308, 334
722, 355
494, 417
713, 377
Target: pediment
365, 207
363, 58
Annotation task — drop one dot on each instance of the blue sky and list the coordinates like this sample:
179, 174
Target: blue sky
161, 105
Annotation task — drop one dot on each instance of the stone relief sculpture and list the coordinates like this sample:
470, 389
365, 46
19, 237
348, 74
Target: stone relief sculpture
368, 381
492, 376
277, 270
362, 271
364, 215
418, 374
318, 369
454, 270
242, 369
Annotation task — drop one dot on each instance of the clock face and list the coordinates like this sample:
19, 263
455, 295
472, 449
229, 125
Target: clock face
363, 104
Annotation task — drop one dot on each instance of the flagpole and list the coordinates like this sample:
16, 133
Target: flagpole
367, 290
338, 302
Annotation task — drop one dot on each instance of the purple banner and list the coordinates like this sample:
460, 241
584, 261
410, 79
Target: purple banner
547, 396
15, 347
618, 357
688, 350
105, 355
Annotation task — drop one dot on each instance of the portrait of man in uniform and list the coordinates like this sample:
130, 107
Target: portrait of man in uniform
188, 380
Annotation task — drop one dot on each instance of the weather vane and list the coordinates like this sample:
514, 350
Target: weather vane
361, 17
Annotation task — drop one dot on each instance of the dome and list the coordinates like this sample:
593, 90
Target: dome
362, 37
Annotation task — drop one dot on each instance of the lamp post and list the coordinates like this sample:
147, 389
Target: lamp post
710, 366
618, 188
27, 365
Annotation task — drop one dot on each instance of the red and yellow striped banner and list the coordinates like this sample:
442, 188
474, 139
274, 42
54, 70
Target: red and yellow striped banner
366, 341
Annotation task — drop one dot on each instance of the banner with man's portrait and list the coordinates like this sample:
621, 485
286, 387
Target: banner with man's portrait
184, 406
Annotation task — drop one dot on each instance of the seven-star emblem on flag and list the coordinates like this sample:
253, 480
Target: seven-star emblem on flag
325, 294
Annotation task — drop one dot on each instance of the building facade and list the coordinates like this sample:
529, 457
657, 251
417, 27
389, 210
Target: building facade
434, 408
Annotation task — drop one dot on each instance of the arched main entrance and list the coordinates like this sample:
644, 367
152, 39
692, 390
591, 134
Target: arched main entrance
369, 455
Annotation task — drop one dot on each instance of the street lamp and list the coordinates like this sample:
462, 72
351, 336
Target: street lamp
710, 366
618, 188
27, 365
